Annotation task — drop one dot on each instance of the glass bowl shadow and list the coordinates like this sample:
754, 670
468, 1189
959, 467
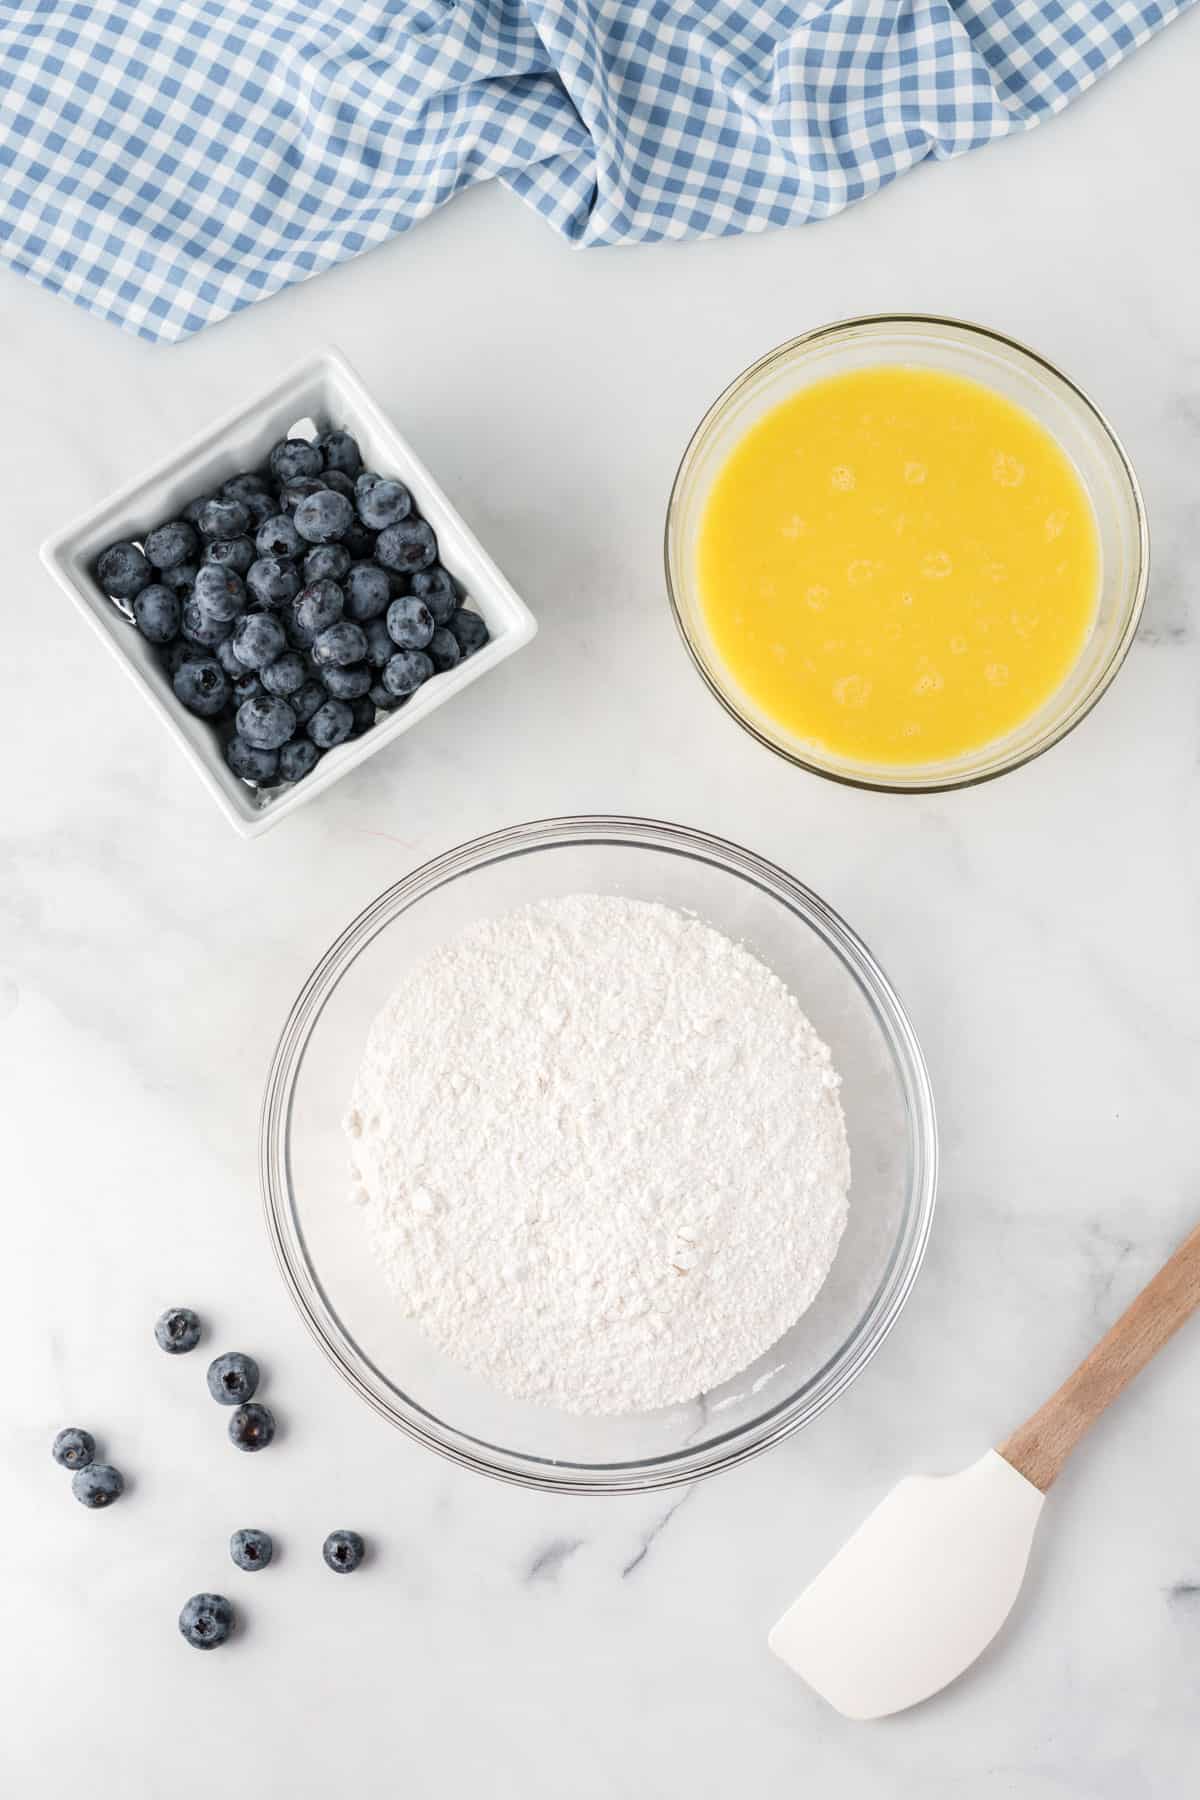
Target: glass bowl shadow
321, 1243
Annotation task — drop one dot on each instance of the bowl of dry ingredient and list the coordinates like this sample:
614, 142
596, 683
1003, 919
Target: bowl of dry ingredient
598, 1154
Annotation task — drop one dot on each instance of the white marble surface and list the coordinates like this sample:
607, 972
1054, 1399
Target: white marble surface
1042, 930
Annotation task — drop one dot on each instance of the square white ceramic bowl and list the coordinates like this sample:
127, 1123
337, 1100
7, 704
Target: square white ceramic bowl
321, 394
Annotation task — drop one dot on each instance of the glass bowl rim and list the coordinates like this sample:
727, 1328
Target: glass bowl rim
1134, 605
678, 1466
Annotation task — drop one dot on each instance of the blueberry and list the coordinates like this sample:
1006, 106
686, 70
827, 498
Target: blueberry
243, 687
346, 682
198, 628
339, 451
251, 1549
251, 764
73, 1448
252, 1427
286, 675
331, 724
231, 553
293, 458
249, 484
220, 593
380, 648
363, 710
123, 571
232, 1378
298, 759
221, 518
97, 1485
261, 507
298, 635
206, 1620
278, 537
258, 638
272, 580
359, 541
368, 591
409, 623
383, 503
172, 544
181, 651
328, 562
304, 703
158, 613
303, 489
191, 512
203, 687
436, 588
470, 631
405, 672
319, 606
180, 578
266, 722
407, 547
380, 698
366, 478
341, 643
343, 1551
177, 1330
443, 650
229, 660
339, 483
323, 518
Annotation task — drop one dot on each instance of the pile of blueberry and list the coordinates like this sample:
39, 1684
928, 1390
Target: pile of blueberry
294, 605
206, 1620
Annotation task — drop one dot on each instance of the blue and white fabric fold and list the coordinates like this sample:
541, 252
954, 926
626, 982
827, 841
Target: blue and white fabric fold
166, 164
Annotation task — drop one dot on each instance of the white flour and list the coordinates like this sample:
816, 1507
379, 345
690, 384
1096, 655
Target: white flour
601, 1153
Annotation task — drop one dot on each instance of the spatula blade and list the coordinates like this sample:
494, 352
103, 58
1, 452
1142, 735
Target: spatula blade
917, 1593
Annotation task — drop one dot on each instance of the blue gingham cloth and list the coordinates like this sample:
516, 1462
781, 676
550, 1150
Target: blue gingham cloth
165, 164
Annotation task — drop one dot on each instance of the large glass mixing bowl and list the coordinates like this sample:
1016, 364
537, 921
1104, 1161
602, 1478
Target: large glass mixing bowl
321, 1242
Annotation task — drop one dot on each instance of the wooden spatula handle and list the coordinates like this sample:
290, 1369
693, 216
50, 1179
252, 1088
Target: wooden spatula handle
1039, 1448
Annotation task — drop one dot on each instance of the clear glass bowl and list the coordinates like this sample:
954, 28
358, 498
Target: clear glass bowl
322, 1247
1012, 370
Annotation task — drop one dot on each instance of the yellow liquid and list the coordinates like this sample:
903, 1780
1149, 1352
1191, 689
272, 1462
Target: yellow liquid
898, 565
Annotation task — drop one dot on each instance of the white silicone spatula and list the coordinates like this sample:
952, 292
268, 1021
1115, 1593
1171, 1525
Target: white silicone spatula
928, 1579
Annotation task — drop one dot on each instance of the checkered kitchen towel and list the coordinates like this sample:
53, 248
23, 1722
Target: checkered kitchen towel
164, 164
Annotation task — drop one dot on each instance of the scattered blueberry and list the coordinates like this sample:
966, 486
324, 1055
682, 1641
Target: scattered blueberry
328, 562
191, 512
258, 638
305, 701
244, 686
384, 503
405, 672
286, 675
266, 722
181, 651
443, 650
250, 1549
303, 489
380, 648
348, 681
343, 1551
198, 628
245, 486
470, 631
177, 1330
278, 537
206, 1620
368, 591
219, 592
339, 483
436, 588
231, 553
361, 707
260, 507
180, 578
123, 571
409, 622
228, 658
272, 580
73, 1448
223, 518
232, 1378
406, 547
331, 724
293, 458
341, 643
251, 764
319, 606
323, 518
97, 1485
339, 451
298, 759
365, 479
203, 687
359, 541
379, 696
252, 1427
172, 544
158, 613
